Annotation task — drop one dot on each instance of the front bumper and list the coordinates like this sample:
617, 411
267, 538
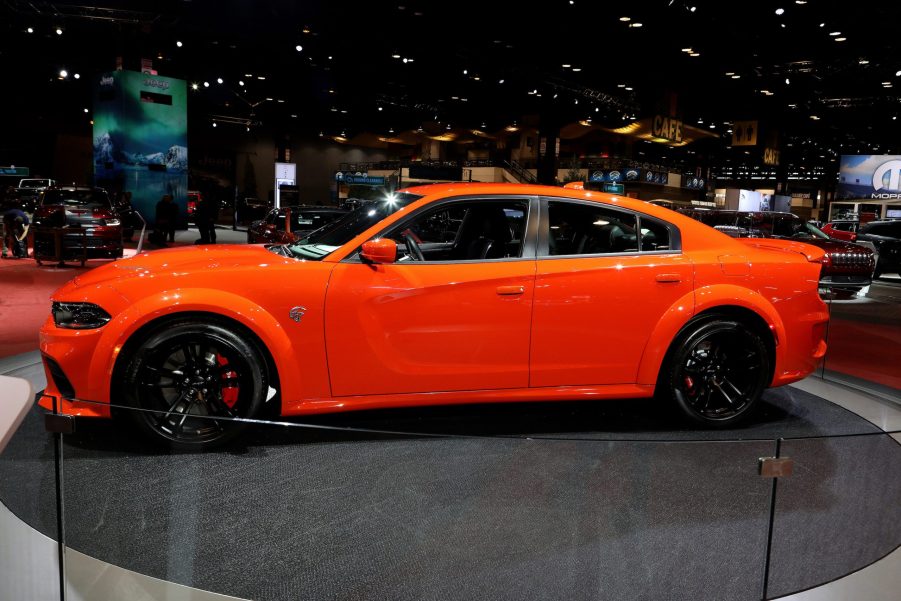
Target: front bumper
66, 356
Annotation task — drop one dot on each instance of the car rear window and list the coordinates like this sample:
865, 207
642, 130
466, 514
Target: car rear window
76, 198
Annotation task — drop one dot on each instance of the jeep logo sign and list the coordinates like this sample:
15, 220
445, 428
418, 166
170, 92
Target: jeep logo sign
893, 168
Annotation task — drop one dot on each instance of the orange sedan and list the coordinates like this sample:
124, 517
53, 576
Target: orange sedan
454, 293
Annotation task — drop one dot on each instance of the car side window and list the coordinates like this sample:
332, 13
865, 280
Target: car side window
786, 226
587, 229
271, 217
465, 231
655, 235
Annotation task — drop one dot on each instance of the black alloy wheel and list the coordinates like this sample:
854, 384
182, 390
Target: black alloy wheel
192, 382
718, 372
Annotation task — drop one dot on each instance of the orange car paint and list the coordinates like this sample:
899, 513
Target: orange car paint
399, 334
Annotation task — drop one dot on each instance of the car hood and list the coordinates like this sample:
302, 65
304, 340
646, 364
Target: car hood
183, 261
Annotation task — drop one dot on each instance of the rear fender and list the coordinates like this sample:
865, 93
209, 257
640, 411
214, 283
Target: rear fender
694, 303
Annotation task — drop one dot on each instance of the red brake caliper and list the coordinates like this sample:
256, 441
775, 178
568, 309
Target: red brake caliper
228, 385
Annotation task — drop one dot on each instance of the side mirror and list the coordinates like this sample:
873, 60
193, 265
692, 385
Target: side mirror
379, 250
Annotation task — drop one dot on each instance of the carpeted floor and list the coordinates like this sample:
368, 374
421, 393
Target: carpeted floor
606, 500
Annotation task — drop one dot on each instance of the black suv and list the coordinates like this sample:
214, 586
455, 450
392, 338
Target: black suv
886, 237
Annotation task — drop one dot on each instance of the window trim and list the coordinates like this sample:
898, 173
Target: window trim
530, 234
545, 230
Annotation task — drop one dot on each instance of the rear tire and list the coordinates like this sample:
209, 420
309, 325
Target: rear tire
716, 372
188, 381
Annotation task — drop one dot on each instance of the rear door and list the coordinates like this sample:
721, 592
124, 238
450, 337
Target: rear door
605, 278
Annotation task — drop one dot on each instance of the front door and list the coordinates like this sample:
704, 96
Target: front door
452, 314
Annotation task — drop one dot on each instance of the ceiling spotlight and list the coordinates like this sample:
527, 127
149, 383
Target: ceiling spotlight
63, 74
576, 69
218, 80
380, 108
261, 77
864, 61
465, 72
406, 60
835, 33
625, 19
693, 9
194, 86
787, 81
736, 76
780, 11
30, 30
206, 84
77, 75
248, 128
635, 24
800, 1
500, 81
87, 111
298, 47
695, 54
241, 82
628, 89
814, 117
840, 39
214, 124
730, 73
566, 65
59, 31
621, 85
179, 44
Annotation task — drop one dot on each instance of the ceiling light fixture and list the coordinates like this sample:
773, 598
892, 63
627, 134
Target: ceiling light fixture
63, 74
299, 48
206, 84
77, 76
695, 54
218, 80
780, 11
59, 31
261, 77
30, 30
635, 25
840, 39
194, 86
179, 44
625, 19
576, 69
241, 82
835, 33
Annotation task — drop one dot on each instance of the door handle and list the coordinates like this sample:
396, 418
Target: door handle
510, 290
668, 278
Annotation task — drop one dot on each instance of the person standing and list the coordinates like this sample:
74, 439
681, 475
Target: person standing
166, 217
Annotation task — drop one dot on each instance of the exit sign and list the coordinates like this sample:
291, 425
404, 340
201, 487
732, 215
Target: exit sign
18, 171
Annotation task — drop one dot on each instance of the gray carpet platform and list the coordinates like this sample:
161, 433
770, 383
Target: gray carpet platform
602, 500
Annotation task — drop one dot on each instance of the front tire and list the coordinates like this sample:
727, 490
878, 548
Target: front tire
717, 371
188, 381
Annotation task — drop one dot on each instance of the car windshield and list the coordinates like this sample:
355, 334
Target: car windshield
325, 240
34, 183
76, 198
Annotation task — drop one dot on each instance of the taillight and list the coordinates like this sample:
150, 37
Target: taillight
853, 237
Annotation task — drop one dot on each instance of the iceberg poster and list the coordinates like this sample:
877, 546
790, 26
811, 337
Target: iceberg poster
141, 138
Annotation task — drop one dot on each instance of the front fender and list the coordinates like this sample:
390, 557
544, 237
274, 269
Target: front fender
695, 302
117, 332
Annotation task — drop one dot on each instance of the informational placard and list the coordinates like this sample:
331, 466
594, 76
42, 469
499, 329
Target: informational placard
285, 174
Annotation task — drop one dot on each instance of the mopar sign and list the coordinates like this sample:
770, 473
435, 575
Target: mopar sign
869, 177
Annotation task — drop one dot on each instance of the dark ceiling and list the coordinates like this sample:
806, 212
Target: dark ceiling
826, 75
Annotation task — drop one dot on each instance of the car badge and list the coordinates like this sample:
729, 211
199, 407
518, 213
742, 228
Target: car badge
297, 313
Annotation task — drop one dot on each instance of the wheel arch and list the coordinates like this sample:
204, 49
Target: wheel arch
735, 302
230, 309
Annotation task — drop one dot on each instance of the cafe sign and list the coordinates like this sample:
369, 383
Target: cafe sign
667, 128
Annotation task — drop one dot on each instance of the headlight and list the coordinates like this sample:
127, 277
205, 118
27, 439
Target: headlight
79, 316
111, 222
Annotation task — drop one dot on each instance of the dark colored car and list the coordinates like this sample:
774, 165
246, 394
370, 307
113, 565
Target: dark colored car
79, 209
846, 267
886, 237
303, 221
131, 219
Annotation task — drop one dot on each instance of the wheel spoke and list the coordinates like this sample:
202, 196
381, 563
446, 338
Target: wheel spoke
734, 388
724, 394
